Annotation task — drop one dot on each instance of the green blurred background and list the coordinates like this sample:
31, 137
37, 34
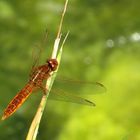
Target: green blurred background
103, 45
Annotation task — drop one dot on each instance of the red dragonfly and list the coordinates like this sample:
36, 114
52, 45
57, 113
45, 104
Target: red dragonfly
38, 75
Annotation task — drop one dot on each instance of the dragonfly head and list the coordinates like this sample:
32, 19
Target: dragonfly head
52, 64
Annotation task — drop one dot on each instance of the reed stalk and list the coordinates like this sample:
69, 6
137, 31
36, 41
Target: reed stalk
56, 54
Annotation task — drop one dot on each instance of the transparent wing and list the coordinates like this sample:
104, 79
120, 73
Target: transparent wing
87, 87
36, 54
67, 97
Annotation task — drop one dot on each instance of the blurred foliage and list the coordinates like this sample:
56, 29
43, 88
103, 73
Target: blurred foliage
104, 45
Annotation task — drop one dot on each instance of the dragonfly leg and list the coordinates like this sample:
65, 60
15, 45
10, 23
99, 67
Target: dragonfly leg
44, 89
47, 76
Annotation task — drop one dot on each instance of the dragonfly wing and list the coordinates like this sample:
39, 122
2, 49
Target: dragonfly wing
36, 54
73, 85
63, 96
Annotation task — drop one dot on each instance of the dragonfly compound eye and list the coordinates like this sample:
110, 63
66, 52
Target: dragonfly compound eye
53, 64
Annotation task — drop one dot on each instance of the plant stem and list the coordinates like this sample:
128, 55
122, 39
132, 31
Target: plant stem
33, 130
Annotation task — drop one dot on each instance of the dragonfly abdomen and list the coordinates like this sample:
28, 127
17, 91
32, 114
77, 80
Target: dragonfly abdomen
18, 100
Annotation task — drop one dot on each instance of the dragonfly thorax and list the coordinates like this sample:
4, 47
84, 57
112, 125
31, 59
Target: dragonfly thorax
43, 72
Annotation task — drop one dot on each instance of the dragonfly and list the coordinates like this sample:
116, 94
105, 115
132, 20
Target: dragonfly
37, 76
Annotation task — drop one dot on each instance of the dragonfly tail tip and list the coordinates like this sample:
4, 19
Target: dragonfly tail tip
3, 118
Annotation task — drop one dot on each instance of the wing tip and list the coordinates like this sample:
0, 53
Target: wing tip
101, 85
90, 103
